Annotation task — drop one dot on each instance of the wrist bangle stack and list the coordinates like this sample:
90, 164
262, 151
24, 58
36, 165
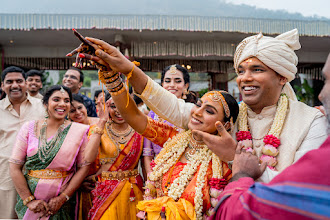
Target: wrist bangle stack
28, 199
97, 130
66, 196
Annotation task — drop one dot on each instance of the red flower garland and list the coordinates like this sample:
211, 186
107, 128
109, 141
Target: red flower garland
217, 183
243, 135
272, 140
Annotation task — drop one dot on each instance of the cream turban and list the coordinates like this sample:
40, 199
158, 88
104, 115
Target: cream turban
277, 53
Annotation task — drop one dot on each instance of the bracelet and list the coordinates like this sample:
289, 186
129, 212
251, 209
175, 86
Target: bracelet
118, 92
66, 196
28, 199
97, 130
115, 89
114, 84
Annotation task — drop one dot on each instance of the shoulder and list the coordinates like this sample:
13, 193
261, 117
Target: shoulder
304, 110
79, 126
93, 120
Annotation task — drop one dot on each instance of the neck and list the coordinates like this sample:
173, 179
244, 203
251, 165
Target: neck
86, 121
75, 91
120, 127
18, 101
33, 93
55, 123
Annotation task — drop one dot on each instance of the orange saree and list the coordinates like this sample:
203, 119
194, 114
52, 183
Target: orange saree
119, 189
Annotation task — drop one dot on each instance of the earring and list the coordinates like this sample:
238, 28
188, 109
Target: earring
185, 92
46, 114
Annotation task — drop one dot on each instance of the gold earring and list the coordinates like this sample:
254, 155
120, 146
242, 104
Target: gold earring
185, 93
46, 114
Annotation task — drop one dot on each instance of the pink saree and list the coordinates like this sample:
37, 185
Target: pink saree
69, 155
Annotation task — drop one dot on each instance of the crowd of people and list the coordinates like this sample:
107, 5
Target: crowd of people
158, 152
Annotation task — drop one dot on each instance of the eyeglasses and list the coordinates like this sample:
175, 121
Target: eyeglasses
71, 77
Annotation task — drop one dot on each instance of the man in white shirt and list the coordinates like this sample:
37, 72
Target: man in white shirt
17, 108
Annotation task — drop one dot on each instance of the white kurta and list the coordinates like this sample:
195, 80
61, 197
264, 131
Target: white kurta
304, 128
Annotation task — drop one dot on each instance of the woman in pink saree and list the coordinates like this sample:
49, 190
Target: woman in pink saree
52, 153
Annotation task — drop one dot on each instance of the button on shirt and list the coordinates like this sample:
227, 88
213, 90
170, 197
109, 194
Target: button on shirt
11, 122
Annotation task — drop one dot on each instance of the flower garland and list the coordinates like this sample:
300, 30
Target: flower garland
271, 140
171, 153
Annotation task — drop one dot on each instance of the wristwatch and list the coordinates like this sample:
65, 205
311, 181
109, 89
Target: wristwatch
230, 164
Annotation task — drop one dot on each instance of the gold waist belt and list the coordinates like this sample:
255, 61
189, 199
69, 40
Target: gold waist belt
48, 174
119, 175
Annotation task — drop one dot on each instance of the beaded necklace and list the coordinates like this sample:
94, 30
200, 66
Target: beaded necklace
271, 140
45, 148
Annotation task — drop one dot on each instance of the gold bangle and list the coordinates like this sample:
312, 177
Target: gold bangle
66, 196
97, 130
28, 199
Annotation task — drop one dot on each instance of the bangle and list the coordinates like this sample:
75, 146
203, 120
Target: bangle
66, 196
97, 130
28, 199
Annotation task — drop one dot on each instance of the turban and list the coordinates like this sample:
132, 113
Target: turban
277, 53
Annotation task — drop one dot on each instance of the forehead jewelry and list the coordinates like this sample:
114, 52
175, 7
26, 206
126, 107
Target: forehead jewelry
173, 69
216, 96
62, 90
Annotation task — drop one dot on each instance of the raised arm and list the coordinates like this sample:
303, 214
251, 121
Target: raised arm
162, 102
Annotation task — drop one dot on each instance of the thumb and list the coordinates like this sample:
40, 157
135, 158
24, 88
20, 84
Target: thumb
263, 167
221, 129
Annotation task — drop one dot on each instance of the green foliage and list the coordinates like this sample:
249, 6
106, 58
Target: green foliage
203, 91
305, 93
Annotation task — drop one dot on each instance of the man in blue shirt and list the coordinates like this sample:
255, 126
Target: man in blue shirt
74, 79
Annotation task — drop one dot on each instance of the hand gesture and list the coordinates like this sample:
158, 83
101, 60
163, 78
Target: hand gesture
247, 163
55, 204
38, 206
223, 144
108, 55
88, 184
103, 109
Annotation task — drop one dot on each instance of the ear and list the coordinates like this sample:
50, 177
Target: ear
80, 85
186, 86
283, 80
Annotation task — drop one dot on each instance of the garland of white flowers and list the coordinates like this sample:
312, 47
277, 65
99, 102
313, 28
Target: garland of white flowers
271, 140
171, 153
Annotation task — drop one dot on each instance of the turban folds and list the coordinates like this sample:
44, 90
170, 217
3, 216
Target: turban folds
277, 53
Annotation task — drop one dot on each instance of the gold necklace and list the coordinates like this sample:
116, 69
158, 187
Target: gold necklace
120, 137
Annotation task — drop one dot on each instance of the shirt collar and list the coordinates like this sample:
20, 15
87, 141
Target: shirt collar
7, 103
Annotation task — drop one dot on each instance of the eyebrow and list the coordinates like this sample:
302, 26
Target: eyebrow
254, 66
207, 105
